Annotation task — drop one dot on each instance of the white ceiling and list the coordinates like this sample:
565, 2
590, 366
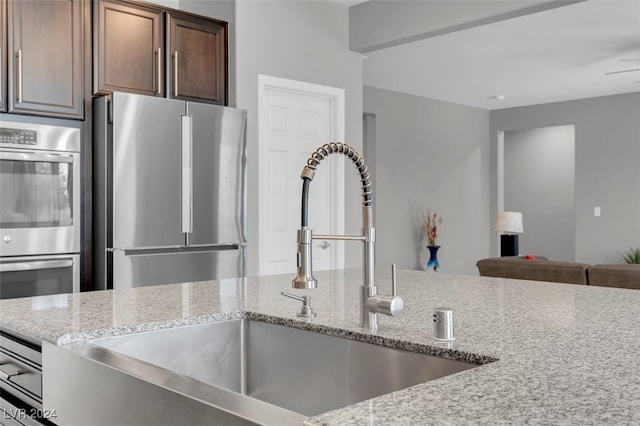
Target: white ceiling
554, 55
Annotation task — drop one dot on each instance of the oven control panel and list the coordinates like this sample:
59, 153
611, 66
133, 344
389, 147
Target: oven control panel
18, 136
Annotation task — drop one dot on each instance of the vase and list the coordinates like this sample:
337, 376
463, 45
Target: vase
433, 263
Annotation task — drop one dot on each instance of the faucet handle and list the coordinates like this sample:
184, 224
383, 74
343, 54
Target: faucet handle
388, 305
306, 311
394, 290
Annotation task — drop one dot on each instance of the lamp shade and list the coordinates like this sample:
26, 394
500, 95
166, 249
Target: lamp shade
509, 222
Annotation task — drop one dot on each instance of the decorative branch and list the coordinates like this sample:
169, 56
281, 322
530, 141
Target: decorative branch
430, 223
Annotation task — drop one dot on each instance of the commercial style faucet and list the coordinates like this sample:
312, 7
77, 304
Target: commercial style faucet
371, 303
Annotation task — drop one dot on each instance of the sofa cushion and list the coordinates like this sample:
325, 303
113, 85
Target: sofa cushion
538, 270
623, 276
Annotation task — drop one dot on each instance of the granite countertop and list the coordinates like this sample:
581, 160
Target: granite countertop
566, 354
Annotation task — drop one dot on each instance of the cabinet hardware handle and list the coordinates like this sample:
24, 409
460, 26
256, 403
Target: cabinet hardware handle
19, 75
175, 74
159, 65
187, 174
5, 375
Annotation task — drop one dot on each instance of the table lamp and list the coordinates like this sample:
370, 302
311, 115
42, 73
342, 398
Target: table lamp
510, 223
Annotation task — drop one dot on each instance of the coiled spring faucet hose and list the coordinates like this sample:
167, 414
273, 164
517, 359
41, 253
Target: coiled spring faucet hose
308, 172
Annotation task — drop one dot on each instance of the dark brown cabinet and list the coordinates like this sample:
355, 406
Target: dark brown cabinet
45, 57
198, 51
128, 48
135, 52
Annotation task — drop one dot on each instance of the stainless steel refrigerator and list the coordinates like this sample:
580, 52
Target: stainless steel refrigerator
169, 191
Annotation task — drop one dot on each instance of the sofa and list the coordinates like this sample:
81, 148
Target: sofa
539, 268
623, 276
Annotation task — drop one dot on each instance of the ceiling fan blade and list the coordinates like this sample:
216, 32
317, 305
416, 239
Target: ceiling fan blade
619, 72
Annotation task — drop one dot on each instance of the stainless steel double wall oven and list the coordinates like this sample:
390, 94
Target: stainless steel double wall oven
39, 208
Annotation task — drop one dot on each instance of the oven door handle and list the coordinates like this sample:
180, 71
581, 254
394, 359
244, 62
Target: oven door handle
48, 158
30, 266
15, 371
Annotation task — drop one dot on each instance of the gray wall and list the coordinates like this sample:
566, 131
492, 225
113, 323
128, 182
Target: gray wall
306, 41
174, 4
607, 174
437, 153
539, 181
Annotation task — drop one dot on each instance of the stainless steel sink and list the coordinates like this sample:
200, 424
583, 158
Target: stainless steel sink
242, 361
306, 372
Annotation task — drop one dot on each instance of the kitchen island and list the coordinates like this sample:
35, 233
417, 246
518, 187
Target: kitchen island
552, 353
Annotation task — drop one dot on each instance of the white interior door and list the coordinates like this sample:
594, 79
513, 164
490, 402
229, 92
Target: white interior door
295, 119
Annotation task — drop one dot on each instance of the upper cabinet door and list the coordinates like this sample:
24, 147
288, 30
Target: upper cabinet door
45, 67
197, 53
128, 48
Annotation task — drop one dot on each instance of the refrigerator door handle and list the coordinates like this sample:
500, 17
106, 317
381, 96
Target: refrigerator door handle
187, 174
146, 251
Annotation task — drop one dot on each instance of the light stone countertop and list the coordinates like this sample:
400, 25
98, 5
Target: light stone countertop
566, 354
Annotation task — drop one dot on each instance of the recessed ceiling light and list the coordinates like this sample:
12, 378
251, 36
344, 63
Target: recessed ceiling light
498, 97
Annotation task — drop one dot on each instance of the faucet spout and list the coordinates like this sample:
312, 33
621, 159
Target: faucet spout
370, 303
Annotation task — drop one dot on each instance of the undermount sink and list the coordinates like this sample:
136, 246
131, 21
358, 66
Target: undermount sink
302, 371
234, 372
